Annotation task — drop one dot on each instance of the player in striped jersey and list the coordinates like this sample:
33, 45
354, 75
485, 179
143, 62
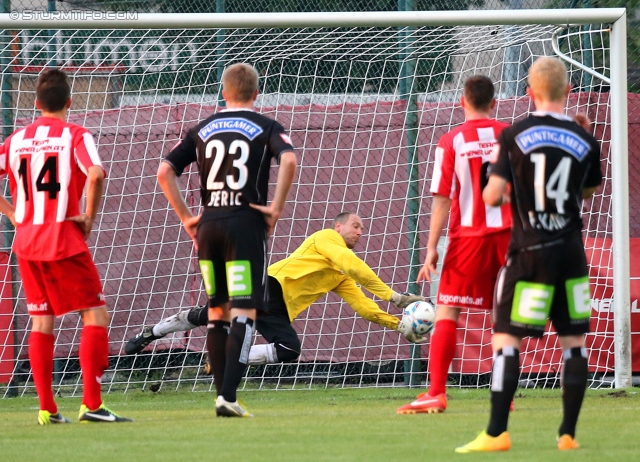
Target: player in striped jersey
48, 164
478, 234
552, 164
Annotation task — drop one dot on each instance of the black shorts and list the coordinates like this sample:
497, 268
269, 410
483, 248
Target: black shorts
274, 324
551, 282
232, 257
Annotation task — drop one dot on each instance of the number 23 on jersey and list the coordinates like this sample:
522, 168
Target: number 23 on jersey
223, 190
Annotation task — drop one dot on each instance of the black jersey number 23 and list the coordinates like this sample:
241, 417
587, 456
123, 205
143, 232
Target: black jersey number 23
218, 150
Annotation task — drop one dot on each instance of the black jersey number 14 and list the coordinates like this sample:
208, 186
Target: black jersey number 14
553, 188
47, 179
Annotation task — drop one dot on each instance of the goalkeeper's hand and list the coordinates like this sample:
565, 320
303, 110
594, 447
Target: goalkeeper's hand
405, 329
415, 338
404, 299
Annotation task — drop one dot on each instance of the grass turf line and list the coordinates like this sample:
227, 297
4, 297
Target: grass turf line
318, 425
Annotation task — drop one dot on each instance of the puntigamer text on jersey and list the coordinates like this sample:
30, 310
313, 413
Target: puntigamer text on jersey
232, 124
544, 135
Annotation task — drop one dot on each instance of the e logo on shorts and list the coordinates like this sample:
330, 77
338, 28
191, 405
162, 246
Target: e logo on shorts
531, 303
208, 277
239, 278
578, 298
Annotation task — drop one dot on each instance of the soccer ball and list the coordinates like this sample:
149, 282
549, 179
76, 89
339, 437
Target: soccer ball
420, 316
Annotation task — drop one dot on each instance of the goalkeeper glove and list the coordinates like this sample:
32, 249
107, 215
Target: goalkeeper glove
415, 338
405, 329
404, 299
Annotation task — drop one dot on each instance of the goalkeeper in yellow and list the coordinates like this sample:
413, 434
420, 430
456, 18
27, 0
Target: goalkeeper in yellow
323, 263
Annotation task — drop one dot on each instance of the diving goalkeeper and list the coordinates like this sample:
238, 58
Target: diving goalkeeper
323, 263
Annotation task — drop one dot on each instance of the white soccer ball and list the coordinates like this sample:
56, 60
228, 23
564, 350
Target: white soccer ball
420, 316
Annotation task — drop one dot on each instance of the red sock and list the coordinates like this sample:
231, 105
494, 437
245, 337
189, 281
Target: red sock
441, 352
41, 359
94, 359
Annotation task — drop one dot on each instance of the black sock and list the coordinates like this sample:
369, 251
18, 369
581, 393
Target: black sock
504, 382
238, 345
574, 383
199, 316
217, 333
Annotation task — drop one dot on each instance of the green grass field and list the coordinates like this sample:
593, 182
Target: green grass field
316, 425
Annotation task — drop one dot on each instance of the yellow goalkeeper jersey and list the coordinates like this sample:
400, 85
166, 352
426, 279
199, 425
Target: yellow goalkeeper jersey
323, 264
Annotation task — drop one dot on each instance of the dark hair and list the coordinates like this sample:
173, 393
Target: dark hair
53, 90
342, 217
479, 91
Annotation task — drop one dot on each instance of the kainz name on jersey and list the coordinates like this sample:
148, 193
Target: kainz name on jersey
547, 221
543, 135
232, 124
224, 198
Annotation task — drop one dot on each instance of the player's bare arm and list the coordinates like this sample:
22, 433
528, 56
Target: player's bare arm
439, 216
95, 186
7, 209
583, 121
286, 173
494, 193
168, 180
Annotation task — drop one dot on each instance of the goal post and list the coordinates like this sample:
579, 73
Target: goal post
365, 98
620, 198
127, 20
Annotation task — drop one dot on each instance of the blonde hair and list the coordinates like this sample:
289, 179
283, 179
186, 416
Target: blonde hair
240, 82
548, 79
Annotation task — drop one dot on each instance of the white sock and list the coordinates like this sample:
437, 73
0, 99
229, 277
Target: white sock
263, 354
176, 323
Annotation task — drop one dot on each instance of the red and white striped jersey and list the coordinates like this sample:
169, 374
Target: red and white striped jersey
460, 169
47, 164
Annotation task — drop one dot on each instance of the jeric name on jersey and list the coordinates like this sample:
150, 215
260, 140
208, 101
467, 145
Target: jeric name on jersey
224, 198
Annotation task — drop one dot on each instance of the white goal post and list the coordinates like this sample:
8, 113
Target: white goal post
148, 113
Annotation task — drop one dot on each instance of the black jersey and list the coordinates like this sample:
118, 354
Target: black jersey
548, 159
233, 150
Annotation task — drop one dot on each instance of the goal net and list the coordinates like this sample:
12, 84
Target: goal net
365, 107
